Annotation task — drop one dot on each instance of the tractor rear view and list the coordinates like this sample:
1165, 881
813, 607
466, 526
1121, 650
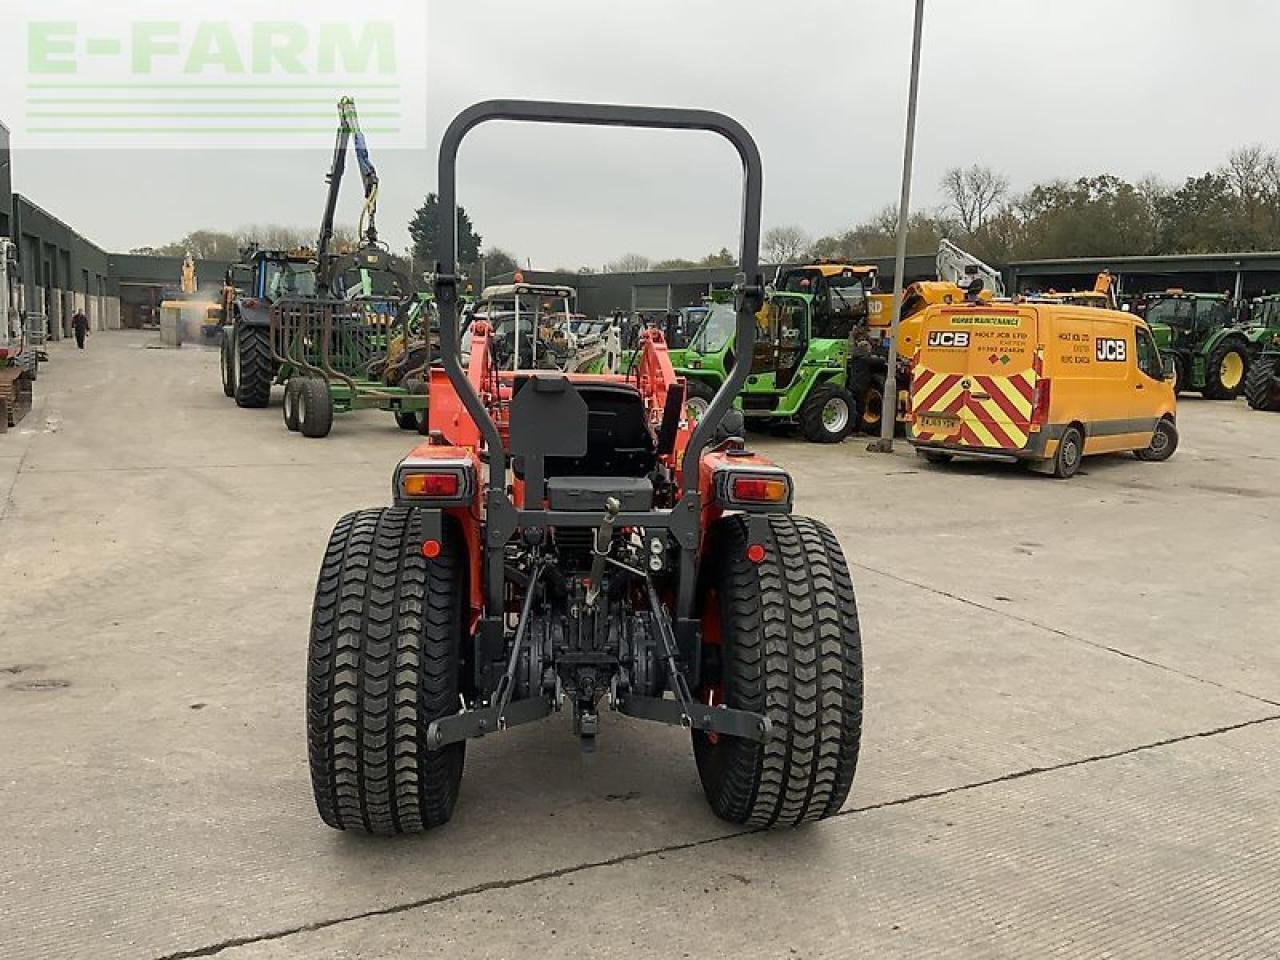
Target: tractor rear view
1262, 384
571, 541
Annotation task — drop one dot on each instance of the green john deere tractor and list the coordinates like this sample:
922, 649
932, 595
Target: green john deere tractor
800, 363
1200, 342
1262, 383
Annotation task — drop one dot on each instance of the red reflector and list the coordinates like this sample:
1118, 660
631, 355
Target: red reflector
431, 549
758, 490
431, 484
755, 553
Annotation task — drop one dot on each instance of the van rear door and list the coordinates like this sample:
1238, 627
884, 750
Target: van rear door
974, 380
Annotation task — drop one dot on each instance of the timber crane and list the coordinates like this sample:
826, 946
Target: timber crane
348, 129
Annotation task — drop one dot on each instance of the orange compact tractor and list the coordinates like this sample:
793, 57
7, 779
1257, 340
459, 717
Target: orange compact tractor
572, 541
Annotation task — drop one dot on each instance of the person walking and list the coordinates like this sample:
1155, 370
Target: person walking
80, 327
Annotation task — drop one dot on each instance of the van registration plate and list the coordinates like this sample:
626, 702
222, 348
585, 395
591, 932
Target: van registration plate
941, 422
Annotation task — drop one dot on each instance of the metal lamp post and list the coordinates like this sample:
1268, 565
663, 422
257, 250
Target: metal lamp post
889, 410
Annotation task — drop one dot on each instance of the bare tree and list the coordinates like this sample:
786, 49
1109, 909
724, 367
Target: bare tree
973, 194
785, 244
629, 263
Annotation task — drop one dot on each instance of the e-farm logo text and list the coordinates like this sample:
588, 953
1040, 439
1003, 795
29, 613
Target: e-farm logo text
221, 80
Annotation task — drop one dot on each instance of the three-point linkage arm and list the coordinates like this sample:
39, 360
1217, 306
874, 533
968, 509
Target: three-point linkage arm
349, 128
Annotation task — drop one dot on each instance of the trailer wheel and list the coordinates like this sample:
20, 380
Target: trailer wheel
1164, 441
315, 408
292, 402
227, 362
698, 395
409, 420
781, 637
1262, 385
386, 633
1066, 462
1225, 371
253, 369
827, 415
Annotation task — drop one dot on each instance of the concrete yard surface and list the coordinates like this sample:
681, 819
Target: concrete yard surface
1072, 728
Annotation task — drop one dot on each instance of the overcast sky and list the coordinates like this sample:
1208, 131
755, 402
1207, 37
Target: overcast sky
1035, 88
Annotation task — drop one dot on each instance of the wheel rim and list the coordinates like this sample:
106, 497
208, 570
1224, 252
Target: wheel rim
1070, 452
235, 357
226, 368
835, 415
1231, 370
695, 408
302, 409
871, 412
1159, 441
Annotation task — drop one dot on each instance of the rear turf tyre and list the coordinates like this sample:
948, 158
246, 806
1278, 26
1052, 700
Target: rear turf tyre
409, 420
789, 647
1262, 385
315, 408
292, 403
386, 633
253, 368
227, 362
1163, 443
827, 416
1066, 462
697, 399
1225, 371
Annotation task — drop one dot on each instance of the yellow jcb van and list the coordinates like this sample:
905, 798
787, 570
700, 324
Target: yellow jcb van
1040, 382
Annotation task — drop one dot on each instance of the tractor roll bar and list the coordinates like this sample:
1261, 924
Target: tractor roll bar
748, 285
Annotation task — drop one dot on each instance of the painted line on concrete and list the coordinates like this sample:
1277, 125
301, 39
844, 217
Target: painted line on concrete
1058, 631
214, 949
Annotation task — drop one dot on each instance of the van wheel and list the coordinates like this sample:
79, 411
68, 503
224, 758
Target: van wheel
936, 456
1066, 462
1163, 443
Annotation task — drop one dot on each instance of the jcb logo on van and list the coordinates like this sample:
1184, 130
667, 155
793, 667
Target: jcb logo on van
1112, 350
948, 338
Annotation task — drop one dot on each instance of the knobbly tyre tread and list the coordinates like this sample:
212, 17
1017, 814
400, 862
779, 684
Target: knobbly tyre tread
1213, 387
1260, 387
811, 425
792, 650
257, 368
383, 663
226, 361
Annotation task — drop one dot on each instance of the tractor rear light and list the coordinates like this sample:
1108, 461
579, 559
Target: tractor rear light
759, 490
431, 549
432, 486
755, 553
755, 490
435, 482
